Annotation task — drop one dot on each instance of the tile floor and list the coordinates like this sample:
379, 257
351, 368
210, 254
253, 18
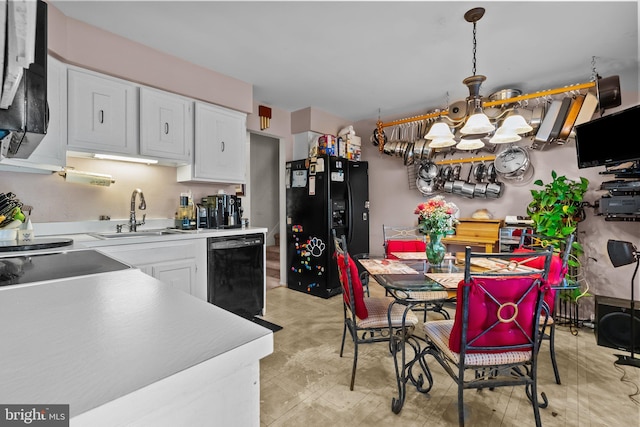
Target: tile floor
305, 382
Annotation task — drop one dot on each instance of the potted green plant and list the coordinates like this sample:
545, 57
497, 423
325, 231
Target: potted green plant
556, 210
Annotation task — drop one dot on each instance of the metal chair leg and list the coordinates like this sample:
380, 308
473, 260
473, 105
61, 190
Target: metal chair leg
552, 352
355, 364
344, 335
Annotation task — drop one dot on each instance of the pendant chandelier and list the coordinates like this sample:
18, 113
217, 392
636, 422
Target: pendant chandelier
478, 123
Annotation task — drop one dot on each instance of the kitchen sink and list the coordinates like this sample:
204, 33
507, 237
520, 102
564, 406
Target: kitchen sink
128, 235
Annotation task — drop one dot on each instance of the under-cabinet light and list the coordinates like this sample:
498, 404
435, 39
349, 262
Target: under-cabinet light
125, 159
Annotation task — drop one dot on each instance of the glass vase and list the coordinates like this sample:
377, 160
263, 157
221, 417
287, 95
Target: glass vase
435, 249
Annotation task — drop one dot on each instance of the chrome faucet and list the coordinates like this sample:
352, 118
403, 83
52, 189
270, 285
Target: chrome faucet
133, 225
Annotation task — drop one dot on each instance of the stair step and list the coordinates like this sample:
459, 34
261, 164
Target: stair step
273, 264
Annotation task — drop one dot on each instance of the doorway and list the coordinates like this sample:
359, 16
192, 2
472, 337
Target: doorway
264, 184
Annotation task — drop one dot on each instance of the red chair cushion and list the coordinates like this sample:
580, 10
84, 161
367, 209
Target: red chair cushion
404, 246
358, 292
483, 313
556, 272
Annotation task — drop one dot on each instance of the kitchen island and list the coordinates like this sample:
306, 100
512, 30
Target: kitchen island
123, 348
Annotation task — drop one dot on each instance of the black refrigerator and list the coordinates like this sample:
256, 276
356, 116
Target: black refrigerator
324, 193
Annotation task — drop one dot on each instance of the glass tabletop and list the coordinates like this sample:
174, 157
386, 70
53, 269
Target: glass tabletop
422, 282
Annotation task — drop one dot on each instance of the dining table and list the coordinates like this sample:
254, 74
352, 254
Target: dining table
413, 282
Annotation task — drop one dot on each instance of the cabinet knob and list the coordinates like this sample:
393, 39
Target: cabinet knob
166, 128
101, 116
222, 145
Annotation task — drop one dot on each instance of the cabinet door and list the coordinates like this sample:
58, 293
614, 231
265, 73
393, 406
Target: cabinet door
51, 152
179, 274
219, 144
102, 114
166, 125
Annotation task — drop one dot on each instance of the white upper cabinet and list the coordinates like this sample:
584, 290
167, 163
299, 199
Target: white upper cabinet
102, 113
166, 125
220, 146
50, 154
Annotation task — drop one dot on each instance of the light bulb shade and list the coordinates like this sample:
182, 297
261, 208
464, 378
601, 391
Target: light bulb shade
517, 123
439, 130
478, 123
504, 135
442, 142
470, 144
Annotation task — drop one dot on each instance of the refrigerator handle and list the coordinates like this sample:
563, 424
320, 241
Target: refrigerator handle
350, 215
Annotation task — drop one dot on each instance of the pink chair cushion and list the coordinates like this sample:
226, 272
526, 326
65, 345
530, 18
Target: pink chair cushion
404, 246
358, 292
556, 272
483, 313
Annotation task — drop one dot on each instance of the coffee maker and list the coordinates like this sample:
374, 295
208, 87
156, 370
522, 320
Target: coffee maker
224, 211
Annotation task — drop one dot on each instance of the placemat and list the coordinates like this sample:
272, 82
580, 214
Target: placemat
386, 266
448, 280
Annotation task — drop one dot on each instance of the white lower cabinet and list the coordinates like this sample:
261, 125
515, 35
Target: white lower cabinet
181, 264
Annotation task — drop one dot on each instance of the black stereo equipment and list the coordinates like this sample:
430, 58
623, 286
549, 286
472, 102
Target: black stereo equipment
613, 327
620, 205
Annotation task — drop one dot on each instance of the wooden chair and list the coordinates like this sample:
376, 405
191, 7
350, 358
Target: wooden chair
366, 319
557, 278
494, 339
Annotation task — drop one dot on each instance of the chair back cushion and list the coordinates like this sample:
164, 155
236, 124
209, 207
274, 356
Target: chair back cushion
556, 272
404, 246
501, 312
358, 292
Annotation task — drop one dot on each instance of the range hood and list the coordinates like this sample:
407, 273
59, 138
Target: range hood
24, 114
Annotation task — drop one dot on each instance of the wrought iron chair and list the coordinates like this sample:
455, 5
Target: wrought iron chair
410, 239
402, 239
494, 339
557, 278
366, 319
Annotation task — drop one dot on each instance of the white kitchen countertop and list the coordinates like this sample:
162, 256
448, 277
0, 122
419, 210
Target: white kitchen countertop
83, 234
91, 340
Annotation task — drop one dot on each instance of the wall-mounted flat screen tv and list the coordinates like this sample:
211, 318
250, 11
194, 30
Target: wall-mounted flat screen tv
609, 140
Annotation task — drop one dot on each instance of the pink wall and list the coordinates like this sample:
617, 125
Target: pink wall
89, 47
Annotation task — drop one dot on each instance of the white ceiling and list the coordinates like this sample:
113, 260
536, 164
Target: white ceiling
352, 59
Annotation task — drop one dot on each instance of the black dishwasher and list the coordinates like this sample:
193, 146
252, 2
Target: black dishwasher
235, 272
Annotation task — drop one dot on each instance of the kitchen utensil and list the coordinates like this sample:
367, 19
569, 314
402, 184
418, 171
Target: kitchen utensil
560, 119
478, 172
570, 120
544, 131
425, 186
537, 114
455, 174
428, 170
448, 186
609, 92
409, 154
504, 94
480, 190
494, 189
512, 162
467, 189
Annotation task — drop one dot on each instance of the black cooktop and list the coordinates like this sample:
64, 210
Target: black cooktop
17, 270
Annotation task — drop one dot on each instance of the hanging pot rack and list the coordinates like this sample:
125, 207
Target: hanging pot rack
572, 88
466, 160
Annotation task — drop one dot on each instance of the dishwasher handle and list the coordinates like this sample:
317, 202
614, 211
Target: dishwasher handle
234, 242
